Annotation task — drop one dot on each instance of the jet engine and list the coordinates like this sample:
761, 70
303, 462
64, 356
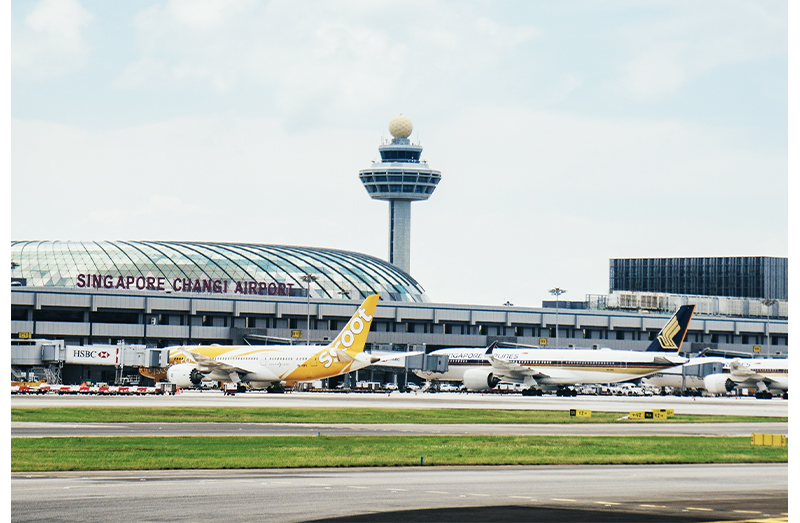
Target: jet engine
718, 384
184, 375
480, 379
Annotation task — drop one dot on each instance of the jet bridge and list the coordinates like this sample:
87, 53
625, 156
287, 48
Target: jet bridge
44, 359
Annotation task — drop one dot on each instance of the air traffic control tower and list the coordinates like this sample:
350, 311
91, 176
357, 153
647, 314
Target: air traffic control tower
400, 178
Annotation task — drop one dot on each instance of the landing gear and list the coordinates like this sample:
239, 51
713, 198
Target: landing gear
276, 389
764, 395
566, 391
531, 392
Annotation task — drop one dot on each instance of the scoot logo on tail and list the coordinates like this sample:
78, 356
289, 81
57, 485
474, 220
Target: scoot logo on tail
347, 338
668, 333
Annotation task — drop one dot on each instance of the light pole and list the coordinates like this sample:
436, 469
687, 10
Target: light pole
557, 292
769, 302
308, 278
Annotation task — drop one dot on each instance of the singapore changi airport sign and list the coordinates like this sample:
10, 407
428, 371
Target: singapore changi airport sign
184, 285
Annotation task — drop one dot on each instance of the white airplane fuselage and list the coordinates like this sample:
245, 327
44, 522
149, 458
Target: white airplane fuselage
775, 370
262, 366
272, 363
562, 366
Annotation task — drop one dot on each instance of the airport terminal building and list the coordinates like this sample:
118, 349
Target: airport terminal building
159, 294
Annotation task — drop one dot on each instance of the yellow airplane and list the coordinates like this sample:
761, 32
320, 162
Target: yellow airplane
265, 366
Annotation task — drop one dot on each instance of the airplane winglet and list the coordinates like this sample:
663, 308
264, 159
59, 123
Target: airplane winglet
491, 348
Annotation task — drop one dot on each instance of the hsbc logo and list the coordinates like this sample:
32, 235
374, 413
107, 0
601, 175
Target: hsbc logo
92, 354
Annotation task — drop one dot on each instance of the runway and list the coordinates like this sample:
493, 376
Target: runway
466, 494
65, 430
674, 493
744, 406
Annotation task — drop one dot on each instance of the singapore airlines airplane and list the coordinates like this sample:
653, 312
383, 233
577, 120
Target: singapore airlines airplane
548, 369
764, 375
767, 376
263, 366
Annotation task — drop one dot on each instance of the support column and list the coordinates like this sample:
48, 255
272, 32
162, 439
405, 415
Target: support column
400, 234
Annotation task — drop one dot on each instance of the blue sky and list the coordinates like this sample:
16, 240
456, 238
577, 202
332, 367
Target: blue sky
567, 133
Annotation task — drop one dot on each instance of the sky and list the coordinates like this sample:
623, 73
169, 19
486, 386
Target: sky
567, 133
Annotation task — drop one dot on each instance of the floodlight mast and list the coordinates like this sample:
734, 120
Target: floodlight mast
769, 302
308, 278
557, 292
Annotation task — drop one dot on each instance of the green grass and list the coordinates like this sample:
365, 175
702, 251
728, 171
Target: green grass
338, 415
242, 452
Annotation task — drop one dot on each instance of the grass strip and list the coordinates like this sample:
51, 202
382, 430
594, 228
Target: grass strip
339, 415
244, 452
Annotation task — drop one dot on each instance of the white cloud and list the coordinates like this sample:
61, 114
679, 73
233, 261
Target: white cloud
50, 41
560, 195
684, 43
158, 206
319, 58
541, 195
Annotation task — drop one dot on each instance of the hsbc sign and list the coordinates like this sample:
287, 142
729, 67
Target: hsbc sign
88, 355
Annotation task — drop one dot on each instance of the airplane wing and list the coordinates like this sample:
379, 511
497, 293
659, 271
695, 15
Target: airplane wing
207, 364
740, 374
670, 359
509, 369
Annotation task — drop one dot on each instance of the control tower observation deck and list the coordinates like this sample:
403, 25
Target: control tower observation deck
400, 178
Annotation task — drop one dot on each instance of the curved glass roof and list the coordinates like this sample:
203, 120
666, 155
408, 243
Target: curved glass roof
210, 267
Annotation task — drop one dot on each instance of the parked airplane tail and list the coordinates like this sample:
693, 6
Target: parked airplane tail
349, 343
671, 336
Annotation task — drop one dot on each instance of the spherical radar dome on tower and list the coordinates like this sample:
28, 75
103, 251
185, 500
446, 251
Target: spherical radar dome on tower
401, 177
401, 126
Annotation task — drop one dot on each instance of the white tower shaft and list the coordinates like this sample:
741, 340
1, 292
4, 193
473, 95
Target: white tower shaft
400, 234
400, 178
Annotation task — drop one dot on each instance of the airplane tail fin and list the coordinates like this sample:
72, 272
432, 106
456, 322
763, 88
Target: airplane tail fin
353, 337
671, 336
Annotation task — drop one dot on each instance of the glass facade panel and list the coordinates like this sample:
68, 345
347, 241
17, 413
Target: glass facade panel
210, 267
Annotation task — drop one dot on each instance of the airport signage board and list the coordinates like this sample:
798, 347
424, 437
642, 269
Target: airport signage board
646, 415
86, 355
182, 285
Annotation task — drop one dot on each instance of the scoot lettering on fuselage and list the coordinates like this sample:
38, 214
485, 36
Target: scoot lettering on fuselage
348, 337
